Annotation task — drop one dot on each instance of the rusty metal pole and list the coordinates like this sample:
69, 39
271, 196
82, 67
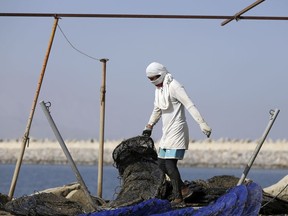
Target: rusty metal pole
26, 134
101, 130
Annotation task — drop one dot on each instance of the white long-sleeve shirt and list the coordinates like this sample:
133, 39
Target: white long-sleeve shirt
175, 129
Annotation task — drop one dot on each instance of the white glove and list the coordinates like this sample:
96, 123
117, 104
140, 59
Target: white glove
147, 131
205, 129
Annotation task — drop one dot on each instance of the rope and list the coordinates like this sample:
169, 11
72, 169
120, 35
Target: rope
275, 196
26, 139
75, 47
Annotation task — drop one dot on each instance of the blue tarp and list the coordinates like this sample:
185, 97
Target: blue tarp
149, 207
241, 200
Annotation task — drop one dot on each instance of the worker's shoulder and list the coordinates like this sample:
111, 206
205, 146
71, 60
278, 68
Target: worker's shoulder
175, 84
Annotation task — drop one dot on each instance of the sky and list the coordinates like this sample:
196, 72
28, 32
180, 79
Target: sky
235, 74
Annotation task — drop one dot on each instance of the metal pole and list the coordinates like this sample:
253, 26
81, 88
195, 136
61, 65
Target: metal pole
26, 134
274, 114
237, 15
102, 126
67, 153
142, 16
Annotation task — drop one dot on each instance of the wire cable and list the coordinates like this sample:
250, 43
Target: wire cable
91, 57
275, 196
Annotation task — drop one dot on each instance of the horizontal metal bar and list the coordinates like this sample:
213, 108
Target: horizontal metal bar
139, 16
263, 18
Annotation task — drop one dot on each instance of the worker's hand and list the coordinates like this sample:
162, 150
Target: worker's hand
147, 131
205, 129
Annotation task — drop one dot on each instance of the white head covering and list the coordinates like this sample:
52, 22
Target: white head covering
155, 69
161, 94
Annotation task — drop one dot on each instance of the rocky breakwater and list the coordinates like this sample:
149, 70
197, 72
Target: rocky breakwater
201, 153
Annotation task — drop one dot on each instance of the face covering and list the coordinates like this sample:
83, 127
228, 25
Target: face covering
156, 69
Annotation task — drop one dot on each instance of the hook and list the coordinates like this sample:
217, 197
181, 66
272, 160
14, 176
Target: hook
48, 105
271, 112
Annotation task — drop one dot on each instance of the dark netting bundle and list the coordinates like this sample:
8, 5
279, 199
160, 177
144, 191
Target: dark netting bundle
142, 179
136, 149
44, 204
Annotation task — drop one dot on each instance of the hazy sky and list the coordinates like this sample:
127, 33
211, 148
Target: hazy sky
234, 74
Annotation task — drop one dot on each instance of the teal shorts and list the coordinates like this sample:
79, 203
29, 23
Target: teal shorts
171, 153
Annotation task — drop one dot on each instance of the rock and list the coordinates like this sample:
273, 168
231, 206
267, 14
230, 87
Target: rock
73, 192
280, 186
79, 197
62, 191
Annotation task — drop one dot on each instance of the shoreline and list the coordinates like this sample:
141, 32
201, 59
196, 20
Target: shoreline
202, 153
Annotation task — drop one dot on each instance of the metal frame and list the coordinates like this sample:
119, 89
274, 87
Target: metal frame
143, 16
56, 16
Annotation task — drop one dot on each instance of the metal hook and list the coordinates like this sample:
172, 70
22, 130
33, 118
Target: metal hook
48, 105
271, 112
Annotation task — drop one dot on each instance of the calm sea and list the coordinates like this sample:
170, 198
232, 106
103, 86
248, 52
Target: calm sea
33, 178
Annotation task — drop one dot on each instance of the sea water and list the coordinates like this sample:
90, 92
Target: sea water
34, 178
